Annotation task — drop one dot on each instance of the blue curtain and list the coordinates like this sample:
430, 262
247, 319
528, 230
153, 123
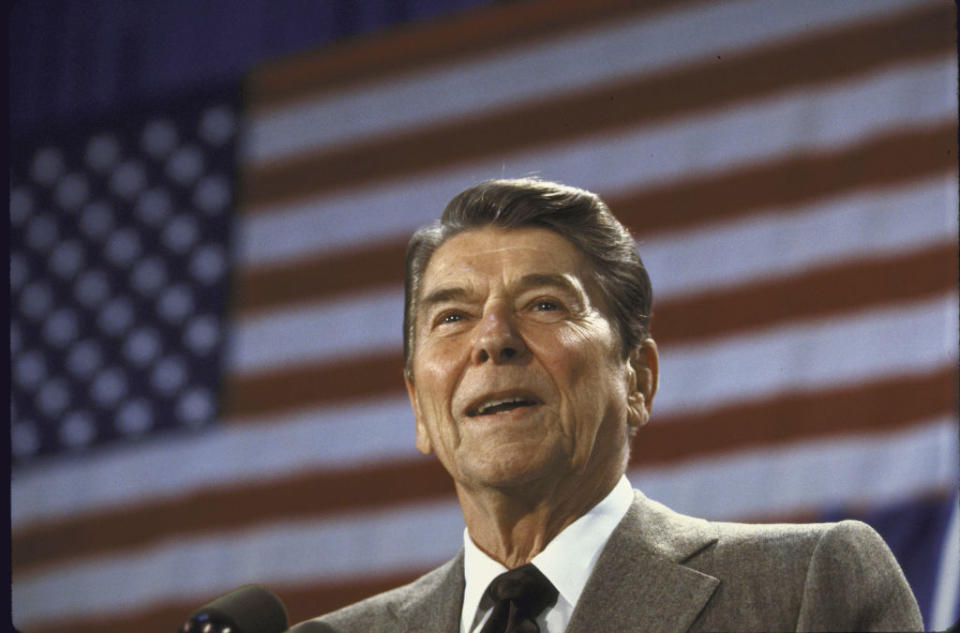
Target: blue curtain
74, 59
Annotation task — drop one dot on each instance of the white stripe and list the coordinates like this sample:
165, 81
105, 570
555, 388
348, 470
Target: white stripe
808, 356
808, 475
562, 64
867, 344
786, 242
705, 258
872, 470
351, 546
705, 374
871, 345
329, 438
946, 592
326, 331
846, 113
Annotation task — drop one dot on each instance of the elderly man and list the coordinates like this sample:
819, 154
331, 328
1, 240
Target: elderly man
530, 367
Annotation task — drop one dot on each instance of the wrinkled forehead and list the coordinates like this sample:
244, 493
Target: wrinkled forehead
493, 252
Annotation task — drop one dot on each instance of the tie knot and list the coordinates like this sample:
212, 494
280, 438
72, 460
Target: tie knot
526, 587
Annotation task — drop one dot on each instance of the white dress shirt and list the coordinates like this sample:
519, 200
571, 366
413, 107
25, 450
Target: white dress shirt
567, 561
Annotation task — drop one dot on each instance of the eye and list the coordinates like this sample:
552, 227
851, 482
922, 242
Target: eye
447, 317
546, 305
549, 308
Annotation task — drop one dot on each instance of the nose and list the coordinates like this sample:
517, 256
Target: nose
498, 339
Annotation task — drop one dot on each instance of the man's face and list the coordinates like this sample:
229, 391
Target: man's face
518, 376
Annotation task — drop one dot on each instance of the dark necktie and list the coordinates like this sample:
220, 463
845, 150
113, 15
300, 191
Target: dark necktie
519, 596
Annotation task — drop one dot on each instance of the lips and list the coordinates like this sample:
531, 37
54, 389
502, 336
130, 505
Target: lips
500, 402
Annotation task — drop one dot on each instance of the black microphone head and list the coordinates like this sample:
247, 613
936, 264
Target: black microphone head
249, 609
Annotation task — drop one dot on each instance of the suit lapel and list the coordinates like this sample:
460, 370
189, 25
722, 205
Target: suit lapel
437, 603
639, 582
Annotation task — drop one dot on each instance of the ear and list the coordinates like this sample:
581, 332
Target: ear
423, 439
644, 374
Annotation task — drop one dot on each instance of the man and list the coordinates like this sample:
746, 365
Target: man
530, 366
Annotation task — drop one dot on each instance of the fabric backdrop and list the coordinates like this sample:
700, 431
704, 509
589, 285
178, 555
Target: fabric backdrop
206, 294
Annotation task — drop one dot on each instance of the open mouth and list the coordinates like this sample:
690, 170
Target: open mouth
490, 406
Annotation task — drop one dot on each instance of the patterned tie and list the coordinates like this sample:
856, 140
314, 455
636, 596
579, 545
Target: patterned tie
519, 596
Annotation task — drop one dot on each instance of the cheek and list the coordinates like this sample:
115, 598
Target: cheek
575, 378
575, 357
437, 373
587, 368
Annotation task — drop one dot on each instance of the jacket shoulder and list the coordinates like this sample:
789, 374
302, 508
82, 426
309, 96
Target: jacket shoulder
383, 611
820, 576
853, 570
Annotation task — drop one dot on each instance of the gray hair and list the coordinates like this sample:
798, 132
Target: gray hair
577, 215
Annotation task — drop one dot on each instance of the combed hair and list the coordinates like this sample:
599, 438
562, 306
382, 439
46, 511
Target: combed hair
577, 215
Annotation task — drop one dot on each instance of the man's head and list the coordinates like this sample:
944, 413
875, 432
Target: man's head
526, 337
579, 216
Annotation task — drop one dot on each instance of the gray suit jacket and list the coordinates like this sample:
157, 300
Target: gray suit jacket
663, 571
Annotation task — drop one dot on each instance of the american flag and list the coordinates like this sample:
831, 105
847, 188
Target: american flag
789, 171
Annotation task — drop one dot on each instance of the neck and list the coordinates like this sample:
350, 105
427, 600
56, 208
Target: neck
512, 525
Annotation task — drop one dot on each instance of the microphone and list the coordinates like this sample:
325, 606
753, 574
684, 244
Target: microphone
249, 609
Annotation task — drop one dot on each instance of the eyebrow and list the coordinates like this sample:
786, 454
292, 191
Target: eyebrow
532, 280
552, 280
442, 295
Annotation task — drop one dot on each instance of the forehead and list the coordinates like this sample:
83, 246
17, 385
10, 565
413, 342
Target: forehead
503, 252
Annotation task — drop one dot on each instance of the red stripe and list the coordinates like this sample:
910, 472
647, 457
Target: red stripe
310, 599
888, 160
302, 601
893, 159
827, 57
882, 405
838, 289
830, 290
422, 45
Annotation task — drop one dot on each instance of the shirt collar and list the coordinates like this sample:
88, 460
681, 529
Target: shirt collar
479, 570
567, 560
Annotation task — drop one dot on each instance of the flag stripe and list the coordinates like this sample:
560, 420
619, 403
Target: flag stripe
369, 432
898, 340
212, 559
818, 59
292, 387
371, 373
787, 418
925, 333
882, 161
310, 76
862, 346
830, 471
403, 100
785, 242
890, 160
808, 476
914, 97
882, 405
846, 287
733, 254
232, 508
364, 433
308, 279
302, 601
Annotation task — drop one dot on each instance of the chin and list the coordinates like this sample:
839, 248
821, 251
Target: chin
509, 469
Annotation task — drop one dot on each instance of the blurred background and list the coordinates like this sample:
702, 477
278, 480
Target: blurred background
209, 205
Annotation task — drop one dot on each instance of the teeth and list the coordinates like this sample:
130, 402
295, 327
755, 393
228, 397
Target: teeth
486, 406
